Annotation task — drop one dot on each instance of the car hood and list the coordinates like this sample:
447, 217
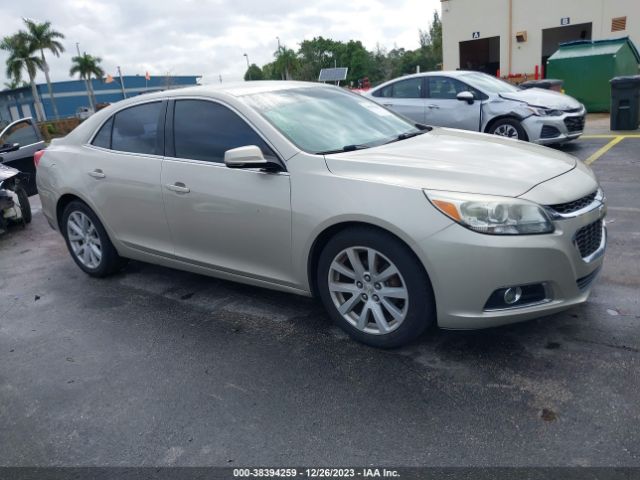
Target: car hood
539, 97
457, 161
7, 172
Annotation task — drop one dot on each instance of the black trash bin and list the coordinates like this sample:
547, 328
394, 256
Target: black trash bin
625, 102
547, 83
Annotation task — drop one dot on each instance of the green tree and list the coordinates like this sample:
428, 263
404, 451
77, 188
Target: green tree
87, 66
42, 37
22, 58
13, 84
254, 72
286, 63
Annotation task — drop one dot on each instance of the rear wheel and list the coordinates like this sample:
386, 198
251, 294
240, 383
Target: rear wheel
88, 242
374, 288
510, 128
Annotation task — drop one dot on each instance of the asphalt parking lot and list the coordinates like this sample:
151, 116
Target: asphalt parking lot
160, 367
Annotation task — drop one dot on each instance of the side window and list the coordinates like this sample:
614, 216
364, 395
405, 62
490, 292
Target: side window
385, 92
410, 88
204, 130
442, 88
23, 133
103, 138
135, 129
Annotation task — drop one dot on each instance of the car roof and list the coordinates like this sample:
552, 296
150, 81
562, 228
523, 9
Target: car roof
435, 73
239, 89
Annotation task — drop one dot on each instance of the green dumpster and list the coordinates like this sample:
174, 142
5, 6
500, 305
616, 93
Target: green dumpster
586, 67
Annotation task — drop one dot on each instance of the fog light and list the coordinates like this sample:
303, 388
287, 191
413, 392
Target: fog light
512, 295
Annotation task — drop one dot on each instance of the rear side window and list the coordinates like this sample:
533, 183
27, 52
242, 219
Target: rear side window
135, 129
385, 92
410, 88
205, 130
103, 137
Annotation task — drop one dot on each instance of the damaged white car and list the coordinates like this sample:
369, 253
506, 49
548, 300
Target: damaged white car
482, 103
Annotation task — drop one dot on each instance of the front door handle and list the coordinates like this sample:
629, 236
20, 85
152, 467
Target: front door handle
97, 173
178, 187
389, 105
432, 106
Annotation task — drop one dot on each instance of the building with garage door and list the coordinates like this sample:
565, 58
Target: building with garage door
516, 37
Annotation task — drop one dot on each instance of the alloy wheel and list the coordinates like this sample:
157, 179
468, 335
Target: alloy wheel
368, 290
506, 130
84, 240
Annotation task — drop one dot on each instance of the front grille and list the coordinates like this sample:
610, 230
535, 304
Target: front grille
570, 207
549, 132
589, 238
584, 282
574, 124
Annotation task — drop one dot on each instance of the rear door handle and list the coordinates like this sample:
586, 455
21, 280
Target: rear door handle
178, 187
97, 173
388, 105
433, 106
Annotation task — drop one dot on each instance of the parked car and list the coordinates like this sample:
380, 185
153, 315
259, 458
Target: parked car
482, 103
310, 189
19, 141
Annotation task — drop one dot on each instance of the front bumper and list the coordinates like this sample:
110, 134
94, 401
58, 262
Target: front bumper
550, 130
467, 267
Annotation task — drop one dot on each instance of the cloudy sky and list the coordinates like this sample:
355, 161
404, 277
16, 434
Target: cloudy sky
209, 37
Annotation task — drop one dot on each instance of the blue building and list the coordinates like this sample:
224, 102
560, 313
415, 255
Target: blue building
72, 95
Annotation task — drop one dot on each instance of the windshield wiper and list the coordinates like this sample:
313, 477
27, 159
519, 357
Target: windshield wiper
404, 136
346, 148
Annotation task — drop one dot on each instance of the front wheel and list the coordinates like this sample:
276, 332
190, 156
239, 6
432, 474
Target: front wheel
88, 242
375, 288
25, 206
510, 128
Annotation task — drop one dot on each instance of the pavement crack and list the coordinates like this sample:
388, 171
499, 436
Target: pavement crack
610, 345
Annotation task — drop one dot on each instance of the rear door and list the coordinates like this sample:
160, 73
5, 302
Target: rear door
121, 172
405, 97
443, 109
26, 134
234, 220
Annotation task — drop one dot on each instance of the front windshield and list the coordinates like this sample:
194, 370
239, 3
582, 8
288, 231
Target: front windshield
326, 119
487, 83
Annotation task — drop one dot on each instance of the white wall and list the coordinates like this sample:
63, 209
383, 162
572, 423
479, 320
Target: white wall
460, 18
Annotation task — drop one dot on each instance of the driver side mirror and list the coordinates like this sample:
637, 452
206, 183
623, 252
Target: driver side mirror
9, 147
248, 157
466, 97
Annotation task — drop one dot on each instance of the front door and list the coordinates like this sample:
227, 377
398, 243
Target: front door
443, 109
234, 220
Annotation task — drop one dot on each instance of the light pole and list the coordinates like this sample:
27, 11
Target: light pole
278, 38
248, 66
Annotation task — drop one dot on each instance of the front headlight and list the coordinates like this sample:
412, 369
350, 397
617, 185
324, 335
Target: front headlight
492, 215
545, 112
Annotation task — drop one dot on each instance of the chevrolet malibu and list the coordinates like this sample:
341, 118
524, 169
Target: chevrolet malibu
312, 190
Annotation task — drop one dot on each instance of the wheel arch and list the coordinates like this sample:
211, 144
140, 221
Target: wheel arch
506, 116
330, 231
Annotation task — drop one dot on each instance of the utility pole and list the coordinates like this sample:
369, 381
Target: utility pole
220, 77
124, 95
248, 66
278, 38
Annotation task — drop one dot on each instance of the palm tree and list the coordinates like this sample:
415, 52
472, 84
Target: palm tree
286, 62
87, 65
42, 37
21, 57
13, 84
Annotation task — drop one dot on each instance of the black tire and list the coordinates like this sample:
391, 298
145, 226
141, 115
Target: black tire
509, 122
420, 313
25, 206
110, 262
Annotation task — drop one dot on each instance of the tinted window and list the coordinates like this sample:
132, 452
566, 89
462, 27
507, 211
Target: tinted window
448, 88
384, 92
205, 130
410, 88
103, 138
136, 129
22, 133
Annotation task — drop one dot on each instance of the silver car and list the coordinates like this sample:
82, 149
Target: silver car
313, 190
482, 103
